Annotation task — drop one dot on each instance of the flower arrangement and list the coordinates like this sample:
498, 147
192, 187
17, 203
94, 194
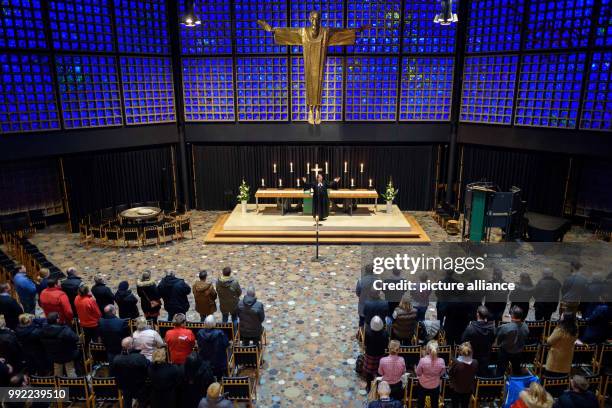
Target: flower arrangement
244, 194
391, 192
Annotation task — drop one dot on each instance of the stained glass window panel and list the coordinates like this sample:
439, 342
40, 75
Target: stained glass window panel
553, 24
384, 18
208, 89
494, 25
27, 96
148, 91
21, 25
421, 34
488, 89
214, 35
89, 90
331, 108
427, 87
603, 34
597, 105
250, 38
142, 26
549, 90
81, 25
332, 15
371, 88
262, 87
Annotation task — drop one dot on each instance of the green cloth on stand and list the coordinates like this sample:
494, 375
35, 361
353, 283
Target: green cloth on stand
307, 205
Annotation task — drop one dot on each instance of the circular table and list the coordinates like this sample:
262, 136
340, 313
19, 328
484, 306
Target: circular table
139, 215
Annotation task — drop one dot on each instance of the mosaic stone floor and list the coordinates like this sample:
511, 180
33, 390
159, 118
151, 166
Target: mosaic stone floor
310, 307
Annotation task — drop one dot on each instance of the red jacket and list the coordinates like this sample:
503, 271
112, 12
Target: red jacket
180, 343
87, 310
55, 300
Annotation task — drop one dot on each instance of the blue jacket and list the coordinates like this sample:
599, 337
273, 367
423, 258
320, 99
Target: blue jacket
212, 344
390, 403
112, 330
26, 289
597, 325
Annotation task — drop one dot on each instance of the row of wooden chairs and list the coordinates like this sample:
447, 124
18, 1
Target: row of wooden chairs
89, 391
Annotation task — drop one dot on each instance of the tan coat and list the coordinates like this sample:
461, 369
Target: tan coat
561, 352
205, 295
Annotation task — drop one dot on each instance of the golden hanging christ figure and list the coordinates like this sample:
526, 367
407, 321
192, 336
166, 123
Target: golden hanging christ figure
314, 41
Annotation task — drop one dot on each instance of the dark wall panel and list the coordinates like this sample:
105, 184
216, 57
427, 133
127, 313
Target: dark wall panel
541, 176
220, 169
99, 180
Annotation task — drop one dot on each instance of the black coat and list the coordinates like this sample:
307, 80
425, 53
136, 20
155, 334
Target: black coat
147, 291
128, 304
34, 353
320, 198
375, 307
103, 294
165, 378
131, 371
112, 330
174, 292
197, 376
573, 399
11, 311
70, 286
60, 343
10, 349
481, 336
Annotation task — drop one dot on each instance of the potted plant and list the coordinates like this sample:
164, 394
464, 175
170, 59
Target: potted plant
389, 196
243, 195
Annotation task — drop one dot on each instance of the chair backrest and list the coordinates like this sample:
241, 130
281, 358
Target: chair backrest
582, 325
494, 355
105, 388
130, 234
163, 326
555, 386
594, 383
537, 330
246, 356
151, 232
550, 326
43, 381
237, 388
411, 355
584, 354
169, 228
489, 389
78, 388
112, 233
444, 352
185, 224
605, 357
97, 352
531, 353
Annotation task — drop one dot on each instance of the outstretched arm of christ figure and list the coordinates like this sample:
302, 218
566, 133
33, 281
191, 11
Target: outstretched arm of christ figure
283, 35
344, 36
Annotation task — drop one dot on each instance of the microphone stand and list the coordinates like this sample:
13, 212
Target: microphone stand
316, 258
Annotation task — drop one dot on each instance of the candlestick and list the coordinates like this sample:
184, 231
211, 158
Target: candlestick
280, 182
298, 182
346, 167
274, 168
326, 168
291, 167
370, 183
263, 184
308, 168
352, 182
361, 165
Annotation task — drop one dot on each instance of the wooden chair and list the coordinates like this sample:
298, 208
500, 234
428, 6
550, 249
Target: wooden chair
585, 357
38, 381
411, 392
531, 356
411, 355
169, 231
84, 234
96, 233
239, 389
163, 326
555, 386
537, 331
595, 383
78, 389
445, 353
604, 358
582, 325
150, 233
606, 390
131, 235
246, 357
111, 235
184, 224
105, 390
487, 390
97, 355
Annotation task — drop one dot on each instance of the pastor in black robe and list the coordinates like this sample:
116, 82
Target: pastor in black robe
320, 199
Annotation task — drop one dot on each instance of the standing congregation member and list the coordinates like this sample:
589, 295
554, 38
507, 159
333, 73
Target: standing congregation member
126, 301
10, 349
212, 344
205, 295
146, 339
54, 299
150, 301
496, 300
180, 340
214, 398
385, 399
574, 288
598, 322
405, 322
363, 290
112, 330
561, 347
130, 369
9, 307
60, 343
197, 377
229, 292
174, 292
462, 374
26, 290
392, 368
376, 342
165, 379
103, 294
70, 286
546, 295
88, 312
511, 337
251, 316
28, 333
43, 277
481, 336
521, 295
428, 371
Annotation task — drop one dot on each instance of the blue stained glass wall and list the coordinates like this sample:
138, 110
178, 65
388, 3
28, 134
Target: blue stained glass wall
603, 34
549, 90
597, 108
208, 86
81, 25
332, 15
556, 24
371, 88
250, 38
421, 34
21, 24
27, 98
89, 90
488, 89
148, 91
214, 35
262, 87
331, 108
427, 87
384, 18
142, 26
494, 25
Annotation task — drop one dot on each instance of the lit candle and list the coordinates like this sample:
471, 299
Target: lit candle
280, 182
346, 167
352, 182
370, 183
274, 168
326, 169
298, 182
307, 168
262, 183
291, 167
361, 165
